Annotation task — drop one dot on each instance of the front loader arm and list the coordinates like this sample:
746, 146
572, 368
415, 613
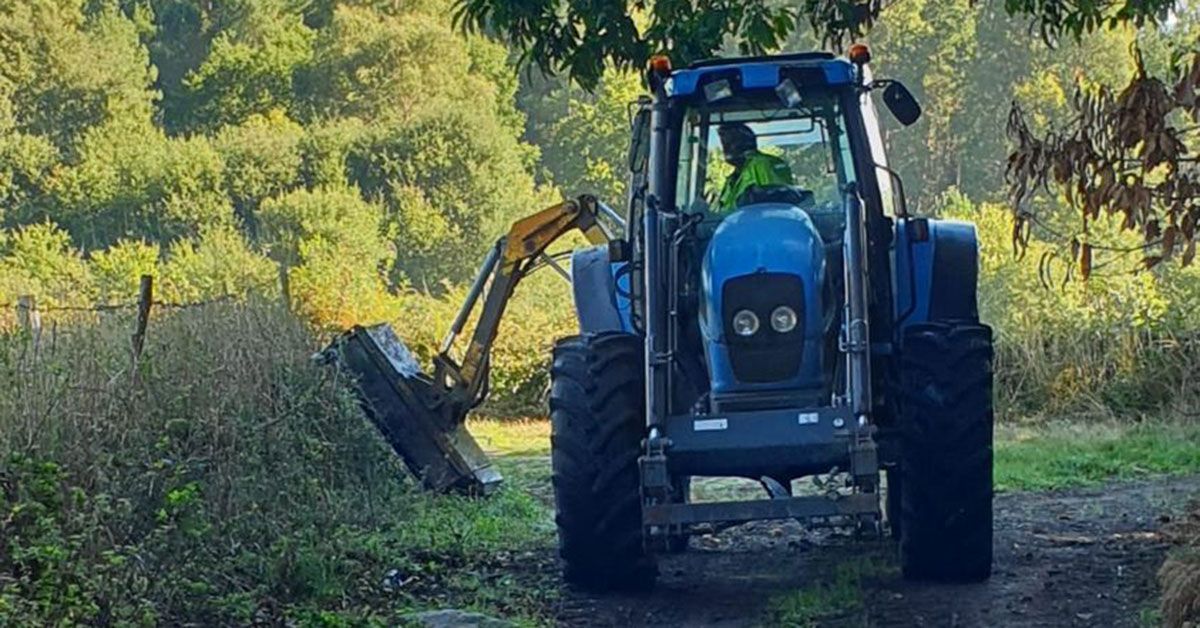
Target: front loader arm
462, 385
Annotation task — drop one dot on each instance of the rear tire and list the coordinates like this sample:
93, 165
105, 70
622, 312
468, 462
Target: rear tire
946, 430
597, 418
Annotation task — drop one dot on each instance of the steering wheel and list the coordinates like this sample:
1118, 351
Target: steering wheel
783, 194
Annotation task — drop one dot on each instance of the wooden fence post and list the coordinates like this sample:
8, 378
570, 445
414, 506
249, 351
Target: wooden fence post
29, 317
145, 300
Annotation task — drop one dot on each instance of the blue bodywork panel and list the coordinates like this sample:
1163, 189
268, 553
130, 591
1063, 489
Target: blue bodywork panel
601, 291
760, 75
936, 270
775, 240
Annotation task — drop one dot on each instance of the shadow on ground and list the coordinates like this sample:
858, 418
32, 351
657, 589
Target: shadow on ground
1083, 557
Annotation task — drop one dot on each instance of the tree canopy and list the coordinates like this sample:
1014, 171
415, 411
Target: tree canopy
580, 38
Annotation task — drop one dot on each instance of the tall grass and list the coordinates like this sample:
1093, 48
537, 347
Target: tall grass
1122, 345
223, 480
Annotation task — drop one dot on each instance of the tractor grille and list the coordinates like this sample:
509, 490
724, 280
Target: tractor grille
767, 356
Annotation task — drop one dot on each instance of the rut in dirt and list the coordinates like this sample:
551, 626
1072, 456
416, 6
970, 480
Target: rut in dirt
1084, 557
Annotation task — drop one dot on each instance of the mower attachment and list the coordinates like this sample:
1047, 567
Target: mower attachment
400, 401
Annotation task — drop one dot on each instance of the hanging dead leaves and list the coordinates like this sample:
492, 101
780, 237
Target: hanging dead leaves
1131, 154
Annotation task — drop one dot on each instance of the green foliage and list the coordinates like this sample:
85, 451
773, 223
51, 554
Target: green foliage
249, 68
1119, 344
263, 158
65, 73
168, 121
39, 260
1062, 455
332, 244
373, 65
452, 181
585, 137
581, 39
117, 271
218, 264
548, 34
135, 182
967, 63
146, 504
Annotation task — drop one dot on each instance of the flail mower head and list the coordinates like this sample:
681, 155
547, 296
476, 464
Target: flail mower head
425, 431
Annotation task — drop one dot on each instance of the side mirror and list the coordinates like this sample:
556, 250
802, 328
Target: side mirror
901, 103
639, 143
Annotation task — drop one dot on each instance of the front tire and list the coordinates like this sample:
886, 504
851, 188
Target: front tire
946, 430
597, 417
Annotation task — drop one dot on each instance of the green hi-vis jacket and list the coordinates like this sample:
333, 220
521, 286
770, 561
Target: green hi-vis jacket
759, 169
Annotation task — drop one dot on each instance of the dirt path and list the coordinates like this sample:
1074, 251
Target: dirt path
1068, 558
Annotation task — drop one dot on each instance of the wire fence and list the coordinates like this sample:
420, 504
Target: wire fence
29, 313
29, 302
117, 307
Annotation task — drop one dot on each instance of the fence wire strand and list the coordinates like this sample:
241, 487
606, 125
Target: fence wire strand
133, 305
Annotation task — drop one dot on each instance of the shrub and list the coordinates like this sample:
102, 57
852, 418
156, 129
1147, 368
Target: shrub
218, 264
225, 480
1120, 344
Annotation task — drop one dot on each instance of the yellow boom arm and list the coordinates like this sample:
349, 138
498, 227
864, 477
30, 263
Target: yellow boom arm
510, 260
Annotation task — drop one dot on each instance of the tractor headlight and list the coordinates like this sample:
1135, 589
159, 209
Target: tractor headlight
745, 323
784, 319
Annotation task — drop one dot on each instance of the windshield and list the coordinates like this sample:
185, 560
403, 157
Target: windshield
748, 152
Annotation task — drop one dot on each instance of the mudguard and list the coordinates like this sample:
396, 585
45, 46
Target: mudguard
601, 290
936, 266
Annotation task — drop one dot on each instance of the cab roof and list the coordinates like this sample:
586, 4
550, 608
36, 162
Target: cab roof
761, 72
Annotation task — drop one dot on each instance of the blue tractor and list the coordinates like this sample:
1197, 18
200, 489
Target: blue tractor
794, 323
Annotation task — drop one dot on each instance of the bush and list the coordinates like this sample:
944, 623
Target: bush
226, 480
1180, 574
1119, 344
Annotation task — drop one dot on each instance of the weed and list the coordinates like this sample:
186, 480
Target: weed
230, 482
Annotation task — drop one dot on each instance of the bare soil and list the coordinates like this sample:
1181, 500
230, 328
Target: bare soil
1084, 557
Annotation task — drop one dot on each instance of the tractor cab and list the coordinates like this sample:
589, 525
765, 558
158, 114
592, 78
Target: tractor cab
749, 164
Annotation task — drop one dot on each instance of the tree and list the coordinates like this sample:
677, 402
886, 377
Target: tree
452, 180
40, 260
580, 38
1127, 153
331, 244
584, 136
65, 73
262, 158
248, 70
967, 66
117, 270
217, 264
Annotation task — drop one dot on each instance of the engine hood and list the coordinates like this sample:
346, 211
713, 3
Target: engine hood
759, 258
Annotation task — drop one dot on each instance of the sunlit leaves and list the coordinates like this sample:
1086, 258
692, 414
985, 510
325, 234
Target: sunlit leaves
579, 38
1124, 153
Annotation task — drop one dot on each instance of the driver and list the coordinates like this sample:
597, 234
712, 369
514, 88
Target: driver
751, 167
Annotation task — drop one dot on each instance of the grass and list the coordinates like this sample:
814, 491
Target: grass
224, 479
1062, 455
838, 596
526, 437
